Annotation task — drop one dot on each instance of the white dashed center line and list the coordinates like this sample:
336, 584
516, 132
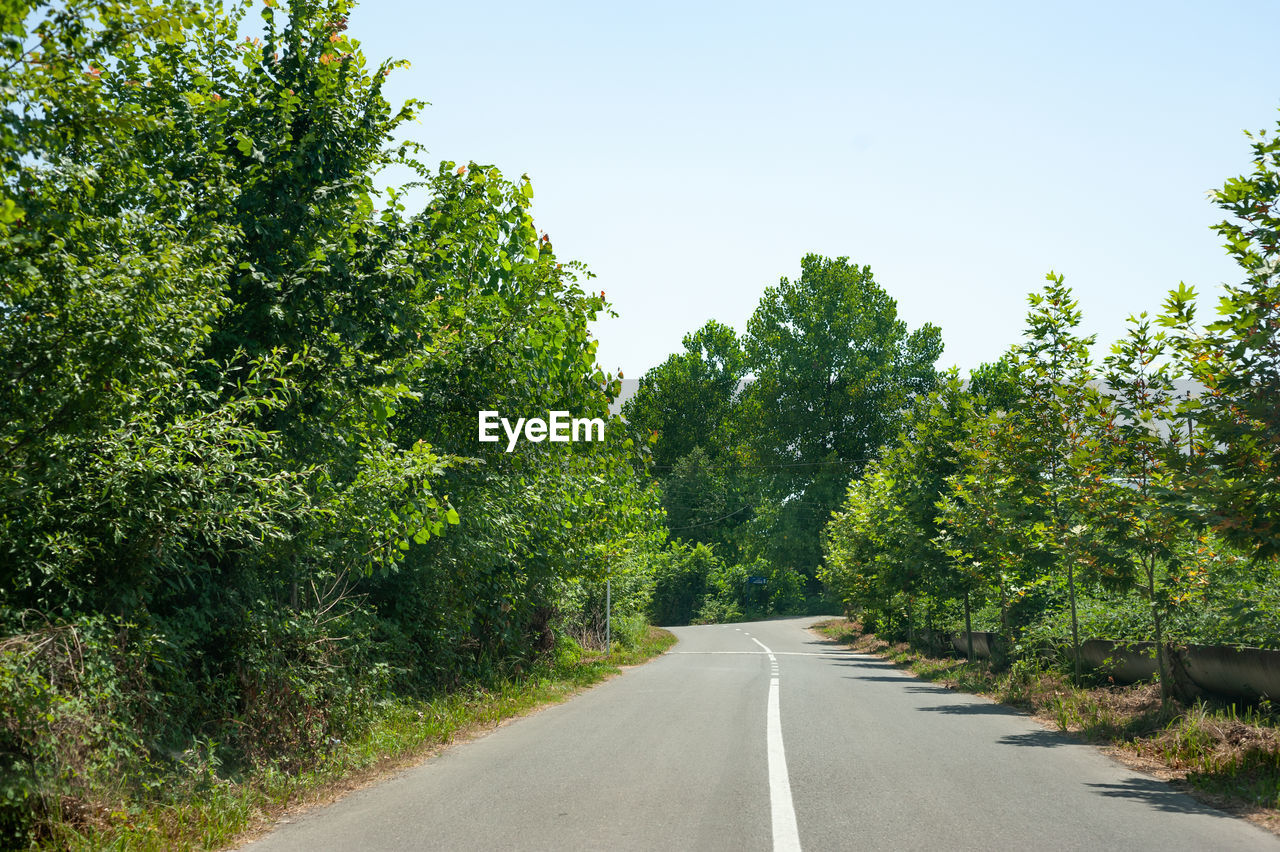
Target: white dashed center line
786, 838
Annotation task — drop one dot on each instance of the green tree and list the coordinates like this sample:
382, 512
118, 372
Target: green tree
1143, 433
708, 502
852, 543
690, 400
1237, 358
995, 386
981, 510
687, 411
121, 468
1062, 408
243, 388
834, 368
680, 585
892, 519
991, 507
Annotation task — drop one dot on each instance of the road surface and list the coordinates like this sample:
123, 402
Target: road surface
762, 736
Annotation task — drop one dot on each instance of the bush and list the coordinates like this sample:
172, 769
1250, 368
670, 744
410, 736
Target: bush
680, 582
694, 586
629, 631
786, 589
718, 611
70, 700
782, 593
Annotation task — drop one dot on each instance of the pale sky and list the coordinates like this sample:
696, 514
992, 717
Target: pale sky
690, 154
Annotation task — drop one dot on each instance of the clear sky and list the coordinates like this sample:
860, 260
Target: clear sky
690, 153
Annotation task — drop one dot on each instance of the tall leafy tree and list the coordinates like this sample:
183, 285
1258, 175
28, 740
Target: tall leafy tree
833, 369
1237, 358
242, 383
121, 469
859, 543
1143, 437
993, 508
977, 521
690, 400
687, 410
890, 517
708, 501
1062, 408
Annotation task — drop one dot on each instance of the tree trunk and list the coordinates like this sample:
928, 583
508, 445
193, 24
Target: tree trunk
1162, 654
1004, 613
1006, 629
968, 626
1181, 686
1075, 629
930, 634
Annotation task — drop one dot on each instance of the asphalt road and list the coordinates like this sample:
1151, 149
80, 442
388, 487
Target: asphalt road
761, 736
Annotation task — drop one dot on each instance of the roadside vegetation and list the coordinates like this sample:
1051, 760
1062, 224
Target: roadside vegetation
750, 470
202, 807
248, 538
1228, 754
1044, 496
1053, 500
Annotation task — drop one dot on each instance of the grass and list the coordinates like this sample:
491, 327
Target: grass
1227, 755
216, 812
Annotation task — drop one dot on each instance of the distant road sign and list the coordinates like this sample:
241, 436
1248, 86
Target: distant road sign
759, 581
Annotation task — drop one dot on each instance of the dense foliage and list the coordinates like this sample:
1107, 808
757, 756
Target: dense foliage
1070, 502
242, 501
687, 411
754, 438
833, 369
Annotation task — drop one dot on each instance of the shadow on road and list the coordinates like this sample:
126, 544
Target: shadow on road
904, 679
928, 689
830, 645
971, 710
870, 664
1159, 795
908, 684
1038, 739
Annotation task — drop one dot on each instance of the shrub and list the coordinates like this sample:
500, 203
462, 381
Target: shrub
680, 582
718, 611
629, 630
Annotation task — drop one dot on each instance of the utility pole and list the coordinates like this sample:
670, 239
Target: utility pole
608, 615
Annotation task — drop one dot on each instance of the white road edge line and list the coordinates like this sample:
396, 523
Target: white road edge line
786, 837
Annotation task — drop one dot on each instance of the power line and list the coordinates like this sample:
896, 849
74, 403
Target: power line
707, 523
773, 466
